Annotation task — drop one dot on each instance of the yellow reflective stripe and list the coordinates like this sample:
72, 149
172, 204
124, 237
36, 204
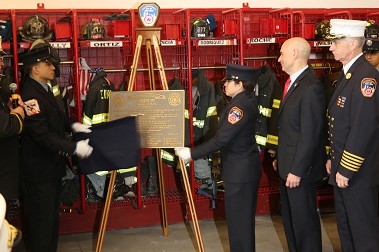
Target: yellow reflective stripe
351, 161
167, 155
87, 120
212, 111
271, 139
265, 111
127, 170
260, 140
100, 118
186, 114
56, 90
102, 173
275, 103
198, 123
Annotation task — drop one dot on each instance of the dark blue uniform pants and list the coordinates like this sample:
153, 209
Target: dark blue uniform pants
240, 207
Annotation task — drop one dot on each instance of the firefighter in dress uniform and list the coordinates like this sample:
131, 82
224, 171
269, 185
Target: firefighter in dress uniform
240, 164
353, 119
43, 150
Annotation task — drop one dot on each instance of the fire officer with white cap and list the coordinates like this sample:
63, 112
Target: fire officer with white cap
353, 119
240, 165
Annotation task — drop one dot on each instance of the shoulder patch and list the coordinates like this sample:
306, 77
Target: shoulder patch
368, 86
235, 115
32, 107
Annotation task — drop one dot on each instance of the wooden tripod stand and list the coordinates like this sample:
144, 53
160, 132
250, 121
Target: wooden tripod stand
150, 38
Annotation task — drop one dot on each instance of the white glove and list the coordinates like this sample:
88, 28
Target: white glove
79, 127
83, 149
184, 153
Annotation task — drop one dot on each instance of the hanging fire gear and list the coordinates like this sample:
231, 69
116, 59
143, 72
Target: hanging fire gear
35, 27
269, 93
96, 111
149, 177
97, 100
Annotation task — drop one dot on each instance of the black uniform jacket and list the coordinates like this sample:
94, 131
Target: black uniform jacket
10, 127
43, 143
236, 140
353, 116
301, 148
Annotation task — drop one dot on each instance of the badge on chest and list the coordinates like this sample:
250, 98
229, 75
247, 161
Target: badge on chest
235, 115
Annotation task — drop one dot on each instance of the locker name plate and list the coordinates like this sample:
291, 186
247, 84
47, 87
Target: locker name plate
160, 115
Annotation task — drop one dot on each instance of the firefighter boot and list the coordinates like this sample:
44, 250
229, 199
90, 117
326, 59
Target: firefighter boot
152, 187
144, 176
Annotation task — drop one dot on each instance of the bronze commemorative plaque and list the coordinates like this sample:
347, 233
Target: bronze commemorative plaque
160, 115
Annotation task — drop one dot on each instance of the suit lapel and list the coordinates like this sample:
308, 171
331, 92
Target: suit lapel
294, 85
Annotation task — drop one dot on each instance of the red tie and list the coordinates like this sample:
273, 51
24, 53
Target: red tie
286, 87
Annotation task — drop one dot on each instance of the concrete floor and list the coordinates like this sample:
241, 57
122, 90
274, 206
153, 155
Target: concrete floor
269, 237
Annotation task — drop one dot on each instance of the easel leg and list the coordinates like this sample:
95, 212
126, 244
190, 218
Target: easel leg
162, 193
191, 205
105, 214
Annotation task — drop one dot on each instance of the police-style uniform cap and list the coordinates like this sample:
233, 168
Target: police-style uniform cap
371, 45
42, 54
240, 72
343, 28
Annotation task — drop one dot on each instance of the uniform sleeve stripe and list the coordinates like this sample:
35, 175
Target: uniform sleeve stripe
352, 156
351, 164
351, 161
348, 166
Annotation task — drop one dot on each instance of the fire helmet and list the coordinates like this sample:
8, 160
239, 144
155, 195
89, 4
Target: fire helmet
199, 28
372, 30
93, 30
35, 27
322, 29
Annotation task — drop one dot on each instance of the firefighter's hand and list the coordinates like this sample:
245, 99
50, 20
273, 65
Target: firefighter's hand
184, 153
79, 127
83, 149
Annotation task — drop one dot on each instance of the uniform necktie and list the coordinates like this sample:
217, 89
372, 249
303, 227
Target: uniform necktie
286, 87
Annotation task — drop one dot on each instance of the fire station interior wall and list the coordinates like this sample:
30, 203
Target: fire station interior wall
122, 4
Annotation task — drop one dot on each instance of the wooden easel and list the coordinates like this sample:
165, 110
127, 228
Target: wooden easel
151, 38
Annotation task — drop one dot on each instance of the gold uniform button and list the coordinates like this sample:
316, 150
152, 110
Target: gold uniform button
332, 119
331, 126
